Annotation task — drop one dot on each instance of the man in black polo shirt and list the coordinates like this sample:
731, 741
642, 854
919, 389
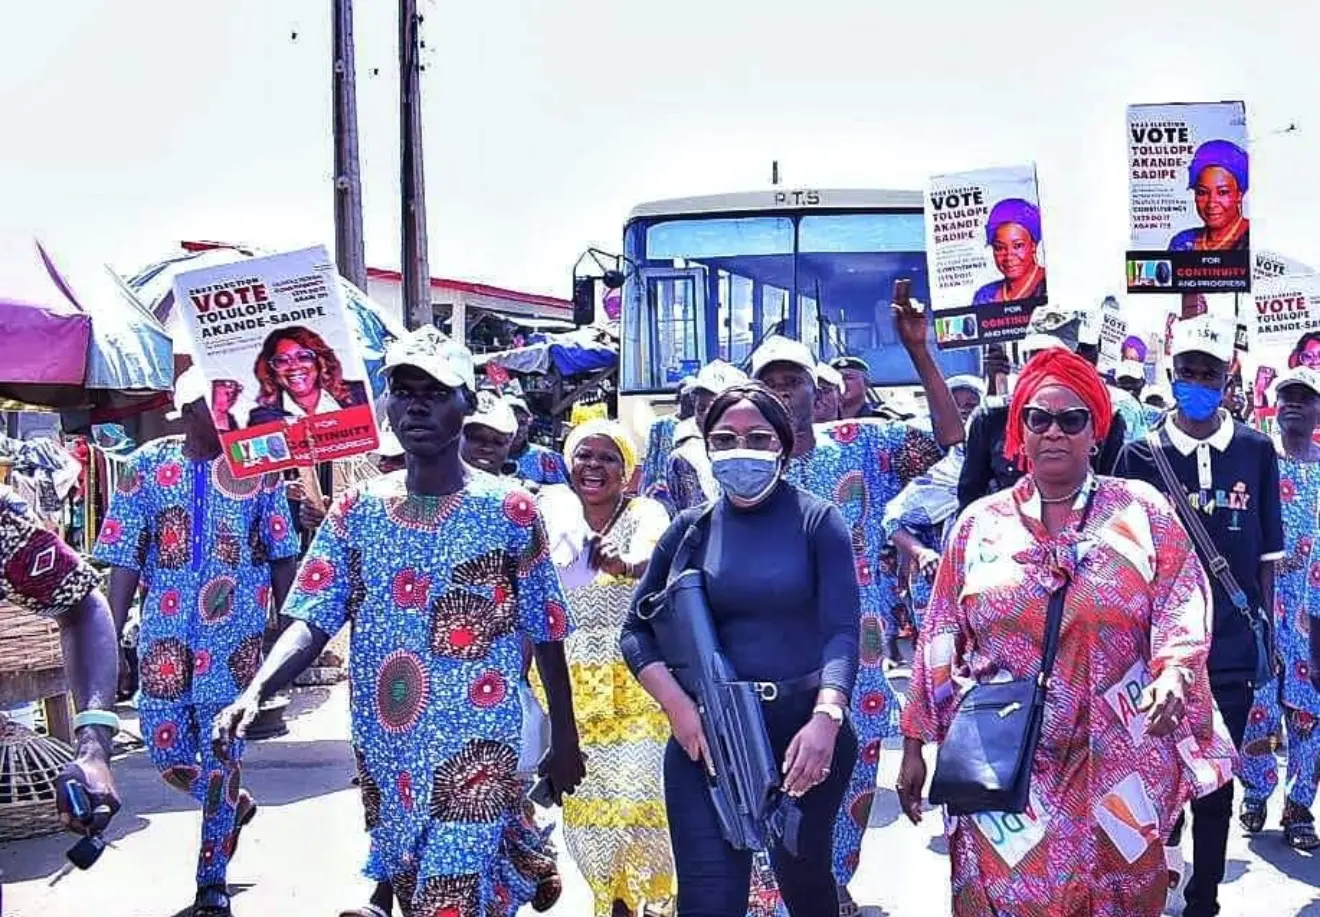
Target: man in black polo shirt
1230, 474
986, 470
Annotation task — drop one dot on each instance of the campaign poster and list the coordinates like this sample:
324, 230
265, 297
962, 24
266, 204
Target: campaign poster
987, 256
1113, 333
288, 383
1267, 264
1187, 199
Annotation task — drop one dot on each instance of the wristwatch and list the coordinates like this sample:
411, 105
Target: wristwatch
833, 711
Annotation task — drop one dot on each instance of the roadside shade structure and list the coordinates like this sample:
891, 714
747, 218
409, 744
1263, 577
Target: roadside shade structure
78, 339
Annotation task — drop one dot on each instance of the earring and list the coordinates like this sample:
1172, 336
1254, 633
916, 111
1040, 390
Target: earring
1095, 450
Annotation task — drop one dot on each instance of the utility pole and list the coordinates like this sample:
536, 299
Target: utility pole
412, 186
350, 247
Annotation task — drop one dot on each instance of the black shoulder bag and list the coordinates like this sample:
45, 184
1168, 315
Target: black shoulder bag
984, 762
1261, 623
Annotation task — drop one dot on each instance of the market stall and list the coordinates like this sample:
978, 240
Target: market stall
559, 371
78, 343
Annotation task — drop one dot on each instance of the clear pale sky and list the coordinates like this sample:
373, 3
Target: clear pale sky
132, 124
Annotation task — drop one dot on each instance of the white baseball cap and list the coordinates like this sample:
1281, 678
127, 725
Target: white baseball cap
390, 445
779, 349
441, 358
717, 377
493, 412
967, 382
828, 375
1205, 334
1299, 375
191, 386
1130, 369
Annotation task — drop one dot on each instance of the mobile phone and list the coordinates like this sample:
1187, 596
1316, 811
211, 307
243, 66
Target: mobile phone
902, 291
543, 793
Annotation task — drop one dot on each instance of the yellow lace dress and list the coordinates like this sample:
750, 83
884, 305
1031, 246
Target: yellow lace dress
614, 825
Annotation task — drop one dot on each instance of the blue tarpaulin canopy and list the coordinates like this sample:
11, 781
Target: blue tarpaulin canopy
125, 358
576, 353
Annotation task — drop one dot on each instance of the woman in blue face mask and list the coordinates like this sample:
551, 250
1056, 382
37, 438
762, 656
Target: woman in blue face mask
780, 581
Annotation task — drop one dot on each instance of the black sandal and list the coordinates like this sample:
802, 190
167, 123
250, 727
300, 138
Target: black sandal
1252, 816
1300, 835
212, 901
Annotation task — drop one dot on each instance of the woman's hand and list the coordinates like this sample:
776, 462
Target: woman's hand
911, 780
685, 724
1165, 701
927, 562
807, 761
606, 558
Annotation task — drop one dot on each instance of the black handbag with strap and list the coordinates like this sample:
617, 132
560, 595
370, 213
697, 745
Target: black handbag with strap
1260, 623
984, 761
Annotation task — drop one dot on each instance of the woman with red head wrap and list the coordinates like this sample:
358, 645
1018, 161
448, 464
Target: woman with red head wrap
1136, 613
1057, 368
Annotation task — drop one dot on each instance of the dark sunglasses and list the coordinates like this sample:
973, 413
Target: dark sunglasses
1071, 421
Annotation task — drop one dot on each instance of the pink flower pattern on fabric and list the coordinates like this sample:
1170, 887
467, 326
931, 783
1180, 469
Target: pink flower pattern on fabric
1104, 794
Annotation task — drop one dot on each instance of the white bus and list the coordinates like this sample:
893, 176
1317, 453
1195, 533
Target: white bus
710, 277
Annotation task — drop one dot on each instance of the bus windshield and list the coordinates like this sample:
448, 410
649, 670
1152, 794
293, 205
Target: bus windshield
713, 287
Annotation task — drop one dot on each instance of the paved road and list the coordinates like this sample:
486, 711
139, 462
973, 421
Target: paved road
302, 854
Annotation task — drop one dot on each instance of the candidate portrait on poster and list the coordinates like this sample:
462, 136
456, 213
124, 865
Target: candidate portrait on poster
298, 375
985, 247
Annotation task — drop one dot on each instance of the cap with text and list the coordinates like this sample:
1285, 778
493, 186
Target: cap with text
1302, 376
717, 377
1205, 334
779, 349
441, 358
493, 412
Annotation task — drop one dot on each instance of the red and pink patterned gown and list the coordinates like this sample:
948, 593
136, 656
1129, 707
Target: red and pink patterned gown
1104, 795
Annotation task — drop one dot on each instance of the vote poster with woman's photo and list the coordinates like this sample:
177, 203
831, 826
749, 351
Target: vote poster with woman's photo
288, 384
1188, 180
986, 255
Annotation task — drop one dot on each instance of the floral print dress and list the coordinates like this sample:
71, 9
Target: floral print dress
202, 541
1104, 795
1290, 700
440, 592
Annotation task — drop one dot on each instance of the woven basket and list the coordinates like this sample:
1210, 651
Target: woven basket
28, 642
29, 765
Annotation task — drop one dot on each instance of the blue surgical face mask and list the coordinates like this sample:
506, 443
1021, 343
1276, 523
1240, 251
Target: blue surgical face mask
1197, 402
747, 474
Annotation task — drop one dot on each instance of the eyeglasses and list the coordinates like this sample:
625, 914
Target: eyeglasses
1071, 422
297, 358
757, 441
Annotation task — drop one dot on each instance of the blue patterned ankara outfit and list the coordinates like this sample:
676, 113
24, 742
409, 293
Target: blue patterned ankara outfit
1135, 425
541, 465
1290, 700
441, 592
926, 508
860, 466
202, 542
655, 462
